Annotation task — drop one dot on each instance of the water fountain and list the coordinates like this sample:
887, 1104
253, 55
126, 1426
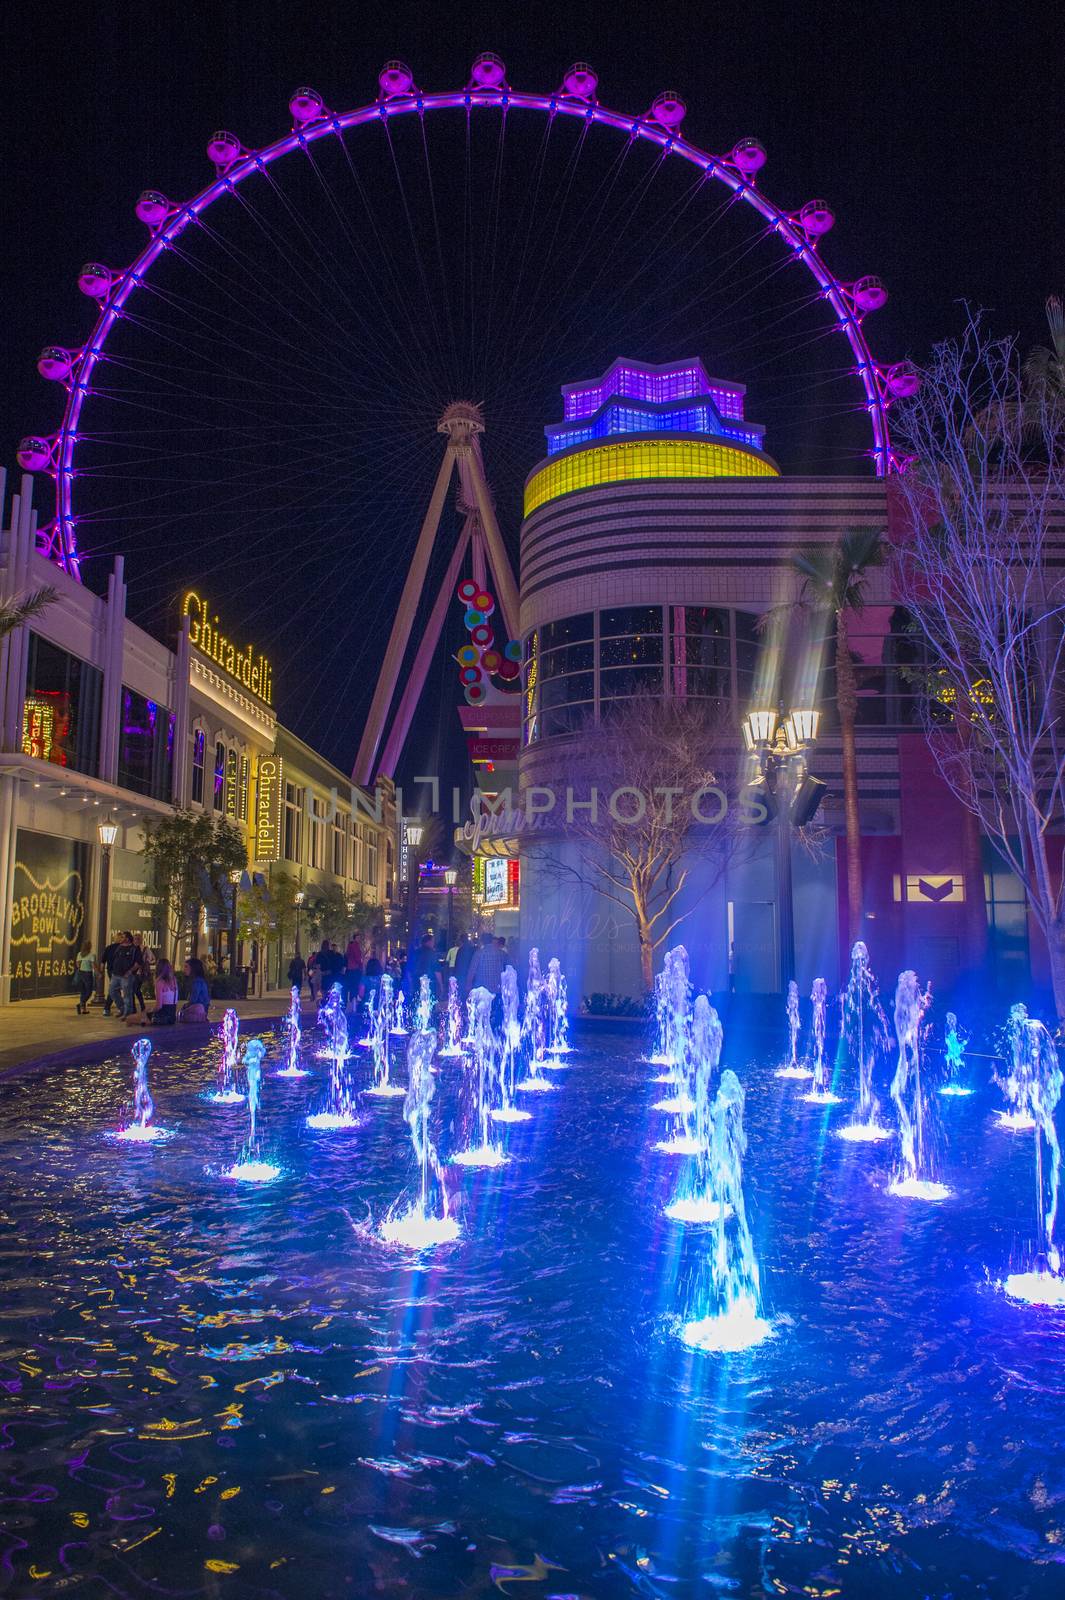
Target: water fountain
452, 1046
863, 1026
914, 1179
227, 1093
250, 1166
399, 1016
509, 1047
793, 1067
293, 1037
424, 1006
659, 1056
141, 1130
339, 1110
381, 1045
954, 1042
1043, 1284
427, 1222
484, 1058
1017, 1084
680, 1102
819, 1093
695, 1198
723, 1303
533, 1031
372, 1001
556, 998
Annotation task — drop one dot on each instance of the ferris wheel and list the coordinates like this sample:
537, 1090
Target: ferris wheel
309, 310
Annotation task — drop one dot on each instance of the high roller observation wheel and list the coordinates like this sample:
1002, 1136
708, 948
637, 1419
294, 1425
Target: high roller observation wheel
166, 221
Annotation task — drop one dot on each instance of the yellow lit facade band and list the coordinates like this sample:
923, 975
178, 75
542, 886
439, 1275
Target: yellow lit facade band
633, 459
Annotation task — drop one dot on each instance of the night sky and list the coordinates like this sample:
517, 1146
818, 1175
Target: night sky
268, 430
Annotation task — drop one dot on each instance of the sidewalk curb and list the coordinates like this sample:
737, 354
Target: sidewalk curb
164, 1041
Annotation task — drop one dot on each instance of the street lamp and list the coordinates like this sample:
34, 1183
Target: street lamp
107, 833
450, 878
780, 746
413, 833
234, 878
300, 899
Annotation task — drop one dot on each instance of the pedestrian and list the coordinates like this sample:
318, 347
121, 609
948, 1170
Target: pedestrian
140, 970
423, 964
314, 973
165, 1012
297, 967
352, 971
371, 976
120, 989
108, 966
85, 976
486, 968
463, 956
198, 1003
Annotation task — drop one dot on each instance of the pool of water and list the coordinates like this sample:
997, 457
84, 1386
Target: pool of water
234, 1391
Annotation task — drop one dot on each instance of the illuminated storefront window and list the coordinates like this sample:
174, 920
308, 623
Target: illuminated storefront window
145, 746
219, 776
199, 750
61, 710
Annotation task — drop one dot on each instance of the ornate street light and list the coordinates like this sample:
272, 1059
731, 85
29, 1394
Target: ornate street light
107, 833
234, 878
780, 745
300, 899
450, 878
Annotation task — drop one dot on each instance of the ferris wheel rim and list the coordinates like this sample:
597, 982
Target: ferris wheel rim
57, 539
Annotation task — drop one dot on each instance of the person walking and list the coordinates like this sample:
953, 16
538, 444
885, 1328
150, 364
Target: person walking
486, 968
314, 973
461, 965
108, 961
140, 970
352, 972
423, 964
297, 968
120, 991
85, 976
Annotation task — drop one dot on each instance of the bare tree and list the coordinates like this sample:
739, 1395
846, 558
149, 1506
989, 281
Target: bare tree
979, 571
650, 790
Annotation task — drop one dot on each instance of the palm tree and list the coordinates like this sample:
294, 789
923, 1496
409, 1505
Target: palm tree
1044, 367
13, 613
834, 581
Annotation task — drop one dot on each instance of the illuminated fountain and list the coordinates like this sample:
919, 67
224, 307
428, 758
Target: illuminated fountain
1017, 1084
793, 1067
864, 1025
695, 1199
723, 1299
371, 1010
339, 1111
424, 1006
250, 1166
954, 1042
426, 1222
293, 1037
533, 1031
556, 999
141, 1130
914, 1178
484, 1056
1043, 1284
680, 1102
227, 1093
820, 1094
509, 1048
399, 1016
659, 1056
452, 1047
381, 1045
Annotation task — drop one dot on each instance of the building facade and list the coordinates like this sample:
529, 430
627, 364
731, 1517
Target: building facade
102, 722
655, 560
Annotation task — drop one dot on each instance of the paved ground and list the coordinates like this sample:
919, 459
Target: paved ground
32, 1029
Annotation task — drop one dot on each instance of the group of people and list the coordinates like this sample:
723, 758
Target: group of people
472, 963
126, 965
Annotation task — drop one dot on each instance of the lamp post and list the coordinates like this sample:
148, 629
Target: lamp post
412, 838
234, 878
300, 899
780, 746
107, 833
450, 878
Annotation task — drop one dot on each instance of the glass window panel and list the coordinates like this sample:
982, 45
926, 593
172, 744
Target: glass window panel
630, 651
145, 746
564, 691
566, 630
570, 658
199, 749
61, 711
626, 681
219, 775
630, 619
703, 682
565, 719
748, 640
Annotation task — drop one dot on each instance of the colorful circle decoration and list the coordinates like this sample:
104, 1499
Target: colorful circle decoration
482, 635
484, 602
475, 694
470, 675
512, 649
491, 660
466, 590
508, 670
473, 618
467, 655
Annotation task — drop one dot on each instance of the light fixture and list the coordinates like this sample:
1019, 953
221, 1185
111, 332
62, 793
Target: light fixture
759, 728
414, 831
236, 875
801, 726
451, 876
107, 832
299, 897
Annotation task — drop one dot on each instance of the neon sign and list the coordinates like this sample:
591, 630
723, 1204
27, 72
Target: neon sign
240, 661
268, 809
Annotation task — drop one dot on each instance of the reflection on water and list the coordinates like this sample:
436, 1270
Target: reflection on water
210, 1388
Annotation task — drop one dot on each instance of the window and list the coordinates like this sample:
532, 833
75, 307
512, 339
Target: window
293, 822
701, 653
231, 783
219, 797
341, 851
630, 619
199, 749
566, 631
319, 827
356, 850
61, 711
371, 858
632, 460
145, 746
242, 790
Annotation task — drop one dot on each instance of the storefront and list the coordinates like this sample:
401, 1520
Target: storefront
49, 913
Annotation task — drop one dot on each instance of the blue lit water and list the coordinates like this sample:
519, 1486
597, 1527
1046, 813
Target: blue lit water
214, 1391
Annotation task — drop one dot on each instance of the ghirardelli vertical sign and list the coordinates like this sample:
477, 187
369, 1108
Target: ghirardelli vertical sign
47, 913
268, 809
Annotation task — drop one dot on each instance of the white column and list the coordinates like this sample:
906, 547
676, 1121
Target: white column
180, 703
111, 710
9, 791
